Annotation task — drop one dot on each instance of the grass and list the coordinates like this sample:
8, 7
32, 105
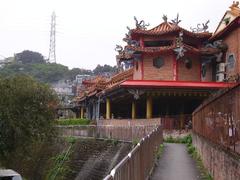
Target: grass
203, 171
160, 151
67, 122
184, 140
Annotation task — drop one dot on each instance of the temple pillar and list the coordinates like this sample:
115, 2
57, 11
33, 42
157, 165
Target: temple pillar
82, 113
133, 110
108, 108
149, 107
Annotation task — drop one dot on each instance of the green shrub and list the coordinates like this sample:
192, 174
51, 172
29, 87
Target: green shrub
67, 122
190, 149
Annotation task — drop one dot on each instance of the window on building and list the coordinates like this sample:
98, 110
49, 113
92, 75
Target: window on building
158, 43
158, 62
230, 61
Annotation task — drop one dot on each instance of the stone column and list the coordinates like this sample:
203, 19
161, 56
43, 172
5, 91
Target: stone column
149, 107
133, 110
108, 108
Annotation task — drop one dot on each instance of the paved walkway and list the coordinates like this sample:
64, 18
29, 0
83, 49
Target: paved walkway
175, 163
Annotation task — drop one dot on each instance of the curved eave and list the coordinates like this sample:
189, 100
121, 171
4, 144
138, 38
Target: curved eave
139, 32
175, 84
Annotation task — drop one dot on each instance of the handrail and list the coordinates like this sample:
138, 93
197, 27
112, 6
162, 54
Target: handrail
138, 164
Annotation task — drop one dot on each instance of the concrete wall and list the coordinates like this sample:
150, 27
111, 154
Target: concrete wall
123, 133
222, 164
131, 122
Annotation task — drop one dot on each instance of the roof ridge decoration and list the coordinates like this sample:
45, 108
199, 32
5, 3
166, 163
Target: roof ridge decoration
140, 24
234, 8
176, 21
200, 29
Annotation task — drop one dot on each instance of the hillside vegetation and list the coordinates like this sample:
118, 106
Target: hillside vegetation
33, 64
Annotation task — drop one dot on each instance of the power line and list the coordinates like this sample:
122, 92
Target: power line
52, 46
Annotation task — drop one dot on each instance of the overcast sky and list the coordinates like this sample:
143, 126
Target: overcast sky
88, 30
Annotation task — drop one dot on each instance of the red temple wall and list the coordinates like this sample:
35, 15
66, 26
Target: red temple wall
192, 74
153, 73
137, 70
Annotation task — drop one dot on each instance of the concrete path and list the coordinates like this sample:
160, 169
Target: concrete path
175, 163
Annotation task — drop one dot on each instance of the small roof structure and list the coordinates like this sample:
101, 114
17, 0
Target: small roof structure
229, 21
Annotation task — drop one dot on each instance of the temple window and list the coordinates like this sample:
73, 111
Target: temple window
160, 43
158, 62
230, 61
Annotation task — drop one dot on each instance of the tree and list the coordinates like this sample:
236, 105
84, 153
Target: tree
104, 69
27, 110
29, 57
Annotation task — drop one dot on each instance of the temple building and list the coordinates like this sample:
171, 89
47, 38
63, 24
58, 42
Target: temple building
166, 71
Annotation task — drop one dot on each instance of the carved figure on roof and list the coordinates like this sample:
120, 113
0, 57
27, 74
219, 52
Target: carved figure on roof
199, 28
119, 48
179, 39
130, 42
235, 4
165, 18
136, 93
219, 44
141, 25
176, 21
180, 52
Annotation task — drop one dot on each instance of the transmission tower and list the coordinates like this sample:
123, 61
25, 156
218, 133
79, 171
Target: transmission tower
52, 47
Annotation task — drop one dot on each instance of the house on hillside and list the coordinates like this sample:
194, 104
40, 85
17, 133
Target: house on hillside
172, 71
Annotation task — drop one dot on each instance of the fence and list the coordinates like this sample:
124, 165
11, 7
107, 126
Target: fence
138, 164
177, 122
124, 133
218, 119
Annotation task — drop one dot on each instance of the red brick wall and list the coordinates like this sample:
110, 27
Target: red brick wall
232, 40
163, 73
221, 164
192, 74
137, 73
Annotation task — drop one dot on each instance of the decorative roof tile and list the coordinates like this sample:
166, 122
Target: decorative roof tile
167, 27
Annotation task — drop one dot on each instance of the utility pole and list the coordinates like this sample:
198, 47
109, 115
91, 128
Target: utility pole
52, 47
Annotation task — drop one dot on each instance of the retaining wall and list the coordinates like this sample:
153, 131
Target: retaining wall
220, 162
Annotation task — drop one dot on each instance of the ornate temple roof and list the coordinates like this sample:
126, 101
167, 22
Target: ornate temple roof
168, 27
100, 84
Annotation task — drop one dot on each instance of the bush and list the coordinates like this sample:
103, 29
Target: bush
67, 122
26, 116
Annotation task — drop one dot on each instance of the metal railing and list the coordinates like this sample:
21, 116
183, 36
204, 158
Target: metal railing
218, 119
138, 164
